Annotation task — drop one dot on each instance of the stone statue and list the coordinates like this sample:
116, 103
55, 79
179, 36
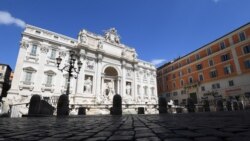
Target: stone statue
82, 37
100, 44
128, 89
88, 85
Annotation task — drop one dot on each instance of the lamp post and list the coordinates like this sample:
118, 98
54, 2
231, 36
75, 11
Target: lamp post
63, 102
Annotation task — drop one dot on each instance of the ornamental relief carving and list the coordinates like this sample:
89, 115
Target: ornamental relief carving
62, 53
44, 49
90, 64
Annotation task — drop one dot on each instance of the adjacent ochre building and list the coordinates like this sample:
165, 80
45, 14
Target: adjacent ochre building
109, 67
218, 70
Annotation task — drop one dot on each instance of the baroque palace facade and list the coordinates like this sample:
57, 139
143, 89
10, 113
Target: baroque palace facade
109, 68
218, 70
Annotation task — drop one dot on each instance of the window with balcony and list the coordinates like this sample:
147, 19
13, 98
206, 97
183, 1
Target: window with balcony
199, 66
247, 64
231, 83
225, 57
228, 70
33, 50
222, 45
213, 73
246, 49
242, 36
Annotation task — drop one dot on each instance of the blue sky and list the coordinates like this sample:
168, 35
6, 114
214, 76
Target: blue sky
159, 30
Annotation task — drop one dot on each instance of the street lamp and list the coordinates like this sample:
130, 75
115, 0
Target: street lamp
63, 102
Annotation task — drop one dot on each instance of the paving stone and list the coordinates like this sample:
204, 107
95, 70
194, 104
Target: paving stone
124, 133
120, 138
97, 139
177, 139
208, 139
149, 139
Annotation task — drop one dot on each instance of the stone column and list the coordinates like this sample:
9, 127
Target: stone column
98, 75
39, 76
123, 79
80, 79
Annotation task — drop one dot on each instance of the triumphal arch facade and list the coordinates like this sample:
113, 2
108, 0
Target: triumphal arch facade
109, 68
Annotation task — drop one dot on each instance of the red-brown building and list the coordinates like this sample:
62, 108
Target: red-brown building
220, 69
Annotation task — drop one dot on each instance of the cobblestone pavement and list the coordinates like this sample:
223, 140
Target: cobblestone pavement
229, 126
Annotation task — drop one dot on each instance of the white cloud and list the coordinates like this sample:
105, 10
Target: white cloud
157, 62
7, 19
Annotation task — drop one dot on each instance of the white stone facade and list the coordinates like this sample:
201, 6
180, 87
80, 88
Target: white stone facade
109, 67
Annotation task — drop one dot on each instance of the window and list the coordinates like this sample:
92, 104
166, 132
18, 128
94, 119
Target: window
228, 70
146, 90
179, 65
242, 36
201, 77
190, 80
189, 70
33, 50
225, 57
28, 76
49, 79
197, 56
183, 92
172, 67
174, 85
199, 66
180, 73
188, 60
173, 76
138, 89
211, 63
1, 75
175, 93
222, 45
202, 88
53, 54
231, 83
166, 78
213, 74
246, 49
216, 86
209, 51
176, 102
247, 64
152, 91
182, 82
